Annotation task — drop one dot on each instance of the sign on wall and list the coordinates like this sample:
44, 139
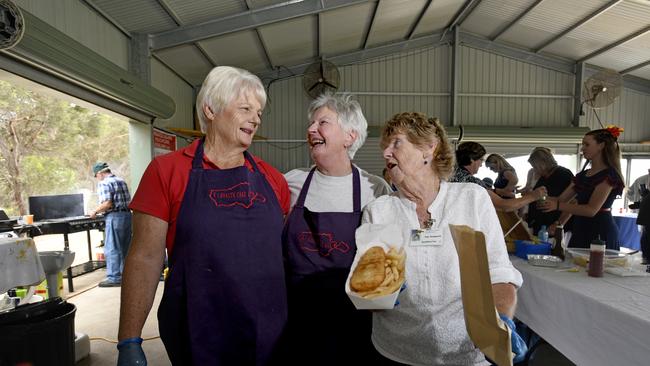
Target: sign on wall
163, 142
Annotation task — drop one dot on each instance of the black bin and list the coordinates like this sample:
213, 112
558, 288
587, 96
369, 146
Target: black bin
38, 334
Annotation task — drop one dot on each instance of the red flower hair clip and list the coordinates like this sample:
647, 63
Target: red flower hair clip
614, 130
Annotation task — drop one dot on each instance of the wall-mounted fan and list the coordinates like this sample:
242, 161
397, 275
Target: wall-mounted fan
320, 77
602, 88
12, 24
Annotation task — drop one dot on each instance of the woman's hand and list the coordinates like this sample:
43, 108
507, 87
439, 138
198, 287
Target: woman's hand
548, 205
540, 193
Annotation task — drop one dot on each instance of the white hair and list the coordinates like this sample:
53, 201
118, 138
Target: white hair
349, 115
223, 85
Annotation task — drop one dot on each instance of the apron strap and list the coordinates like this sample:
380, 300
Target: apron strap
250, 159
356, 189
305, 187
197, 162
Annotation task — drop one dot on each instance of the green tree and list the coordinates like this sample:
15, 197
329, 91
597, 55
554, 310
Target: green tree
48, 146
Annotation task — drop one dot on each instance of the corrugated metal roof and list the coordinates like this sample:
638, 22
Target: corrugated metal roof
491, 15
198, 11
291, 41
394, 20
344, 25
188, 61
241, 49
344, 30
138, 16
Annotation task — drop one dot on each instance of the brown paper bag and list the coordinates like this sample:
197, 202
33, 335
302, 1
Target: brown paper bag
485, 328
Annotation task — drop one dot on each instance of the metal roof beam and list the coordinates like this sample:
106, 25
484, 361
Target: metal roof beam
634, 68
265, 50
584, 20
615, 44
172, 14
461, 15
419, 19
372, 21
553, 63
432, 40
516, 20
246, 20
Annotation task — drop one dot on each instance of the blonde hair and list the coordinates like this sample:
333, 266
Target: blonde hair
499, 162
542, 158
422, 132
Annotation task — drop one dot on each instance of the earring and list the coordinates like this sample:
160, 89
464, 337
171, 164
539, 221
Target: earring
426, 162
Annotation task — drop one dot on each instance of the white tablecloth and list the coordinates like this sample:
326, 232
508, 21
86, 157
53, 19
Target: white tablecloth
20, 264
592, 321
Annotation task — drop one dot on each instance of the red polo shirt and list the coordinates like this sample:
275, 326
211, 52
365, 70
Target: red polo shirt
163, 184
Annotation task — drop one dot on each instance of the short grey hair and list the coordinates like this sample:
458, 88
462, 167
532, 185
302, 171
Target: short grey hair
223, 85
349, 115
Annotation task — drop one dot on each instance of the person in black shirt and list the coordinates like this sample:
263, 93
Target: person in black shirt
552, 176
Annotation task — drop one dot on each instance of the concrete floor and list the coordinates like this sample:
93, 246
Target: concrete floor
98, 312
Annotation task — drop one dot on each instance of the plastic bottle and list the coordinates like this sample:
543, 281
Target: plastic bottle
543, 234
596, 258
558, 249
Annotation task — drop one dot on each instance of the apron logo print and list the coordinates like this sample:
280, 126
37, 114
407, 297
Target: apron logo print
323, 243
238, 194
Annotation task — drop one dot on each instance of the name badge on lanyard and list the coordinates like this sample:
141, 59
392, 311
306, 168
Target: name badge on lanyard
431, 235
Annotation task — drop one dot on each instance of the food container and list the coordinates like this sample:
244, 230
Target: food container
367, 236
612, 257
525, 247
543, 260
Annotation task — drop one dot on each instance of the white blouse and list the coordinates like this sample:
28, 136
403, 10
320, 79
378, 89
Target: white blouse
428, 326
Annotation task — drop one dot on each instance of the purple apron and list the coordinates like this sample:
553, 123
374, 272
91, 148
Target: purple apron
225, 299
324, 326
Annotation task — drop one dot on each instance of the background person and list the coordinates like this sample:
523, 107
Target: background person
635, 193
644, 220
506, 182
428, 327
318, 238
469, 158
113, 196
594, 189
556, 179
218, 210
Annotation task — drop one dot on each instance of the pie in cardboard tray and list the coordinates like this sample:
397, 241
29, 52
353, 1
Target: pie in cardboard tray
378, 269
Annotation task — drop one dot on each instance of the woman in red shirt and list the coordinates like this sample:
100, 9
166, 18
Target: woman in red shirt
219, 211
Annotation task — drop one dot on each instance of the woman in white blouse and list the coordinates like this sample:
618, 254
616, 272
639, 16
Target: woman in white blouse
428, 326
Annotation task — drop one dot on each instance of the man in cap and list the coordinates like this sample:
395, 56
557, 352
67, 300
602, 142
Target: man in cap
113, 195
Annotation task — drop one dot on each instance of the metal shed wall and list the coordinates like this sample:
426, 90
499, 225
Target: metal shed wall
84, 25
183, 95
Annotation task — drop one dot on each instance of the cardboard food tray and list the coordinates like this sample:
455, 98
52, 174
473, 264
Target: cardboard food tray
367, 236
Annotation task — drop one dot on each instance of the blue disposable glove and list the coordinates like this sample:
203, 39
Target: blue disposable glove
131, 352
518, 345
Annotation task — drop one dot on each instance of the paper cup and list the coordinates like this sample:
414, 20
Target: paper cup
28, 219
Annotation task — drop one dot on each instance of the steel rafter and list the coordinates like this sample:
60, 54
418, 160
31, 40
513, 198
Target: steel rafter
247, 20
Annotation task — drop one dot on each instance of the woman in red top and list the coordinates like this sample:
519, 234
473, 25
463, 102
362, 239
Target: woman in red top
219, 212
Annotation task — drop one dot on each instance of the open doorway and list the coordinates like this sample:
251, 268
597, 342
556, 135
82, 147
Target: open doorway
49, 142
